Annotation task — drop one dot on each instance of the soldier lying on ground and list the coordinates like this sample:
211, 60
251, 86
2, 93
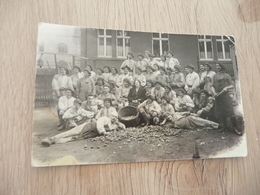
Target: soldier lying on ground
187, 120
87, 130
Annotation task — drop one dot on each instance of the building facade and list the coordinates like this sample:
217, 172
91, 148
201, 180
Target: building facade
103, 47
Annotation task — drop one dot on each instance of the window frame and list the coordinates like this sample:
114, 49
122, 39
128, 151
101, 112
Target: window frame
160, 39
205, 40
104, 36
124, 41
222, 40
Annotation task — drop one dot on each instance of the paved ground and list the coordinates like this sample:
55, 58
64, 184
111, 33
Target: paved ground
136, 144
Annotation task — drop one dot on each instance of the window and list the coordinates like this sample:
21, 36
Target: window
104, 43
123, 43
205, 47
223, 50
62, 48
160, 44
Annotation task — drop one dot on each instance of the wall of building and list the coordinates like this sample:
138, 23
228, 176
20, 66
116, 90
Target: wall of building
185, 49
141, 42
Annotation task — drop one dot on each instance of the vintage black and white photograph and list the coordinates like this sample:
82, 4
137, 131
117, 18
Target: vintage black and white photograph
113, 96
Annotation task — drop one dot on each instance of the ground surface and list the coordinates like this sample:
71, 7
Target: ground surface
152, 143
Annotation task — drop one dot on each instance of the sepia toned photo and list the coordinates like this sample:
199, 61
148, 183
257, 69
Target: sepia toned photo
113, 96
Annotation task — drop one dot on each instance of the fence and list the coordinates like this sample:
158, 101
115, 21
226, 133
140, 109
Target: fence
43, 87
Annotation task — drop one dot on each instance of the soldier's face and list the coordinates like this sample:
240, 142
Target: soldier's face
180, 93
113, 71
62, 71
76, 105
68, 93
106, 89
107, 104
76, 70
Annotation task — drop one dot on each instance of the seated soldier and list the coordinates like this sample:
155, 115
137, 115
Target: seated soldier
65, 102
99, 85
157, 92
90, 105
150, 73
126, 74
123, 93
108, 110
205, 107
177, 79
162, 77
183, 102
140, 76
187, 120
106, 94
150, 111
76, 115
86, 130
196, 99
166, 112
169, 94
136, 94
148, 87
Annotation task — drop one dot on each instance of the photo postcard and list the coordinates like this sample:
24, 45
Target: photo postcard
114, 96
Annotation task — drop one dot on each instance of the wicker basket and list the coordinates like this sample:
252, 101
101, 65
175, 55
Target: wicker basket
129, 116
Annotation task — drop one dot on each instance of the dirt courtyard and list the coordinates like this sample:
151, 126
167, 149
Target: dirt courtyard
153, 143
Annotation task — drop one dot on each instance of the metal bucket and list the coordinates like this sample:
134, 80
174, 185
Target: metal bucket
129, 116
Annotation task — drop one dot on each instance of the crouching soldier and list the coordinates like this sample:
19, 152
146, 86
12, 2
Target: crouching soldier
76, 115
86, 130
150, 111
166, 112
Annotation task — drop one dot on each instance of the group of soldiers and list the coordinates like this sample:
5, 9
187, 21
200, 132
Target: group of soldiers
159, 89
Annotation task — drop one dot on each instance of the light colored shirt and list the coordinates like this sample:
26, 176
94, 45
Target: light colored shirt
177, 79
152, 107
104, 124
113, 78
65, 103
186, 100
141, 64
207, 74
141, 78
171, 96
162, 77
125, 76
61, 82
73, 112
129, 63
167, 109
192, 80
123, 91
157, 93
150, 76
106, 76
170, 63
108, 112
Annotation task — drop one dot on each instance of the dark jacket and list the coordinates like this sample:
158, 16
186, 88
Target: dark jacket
139, 95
